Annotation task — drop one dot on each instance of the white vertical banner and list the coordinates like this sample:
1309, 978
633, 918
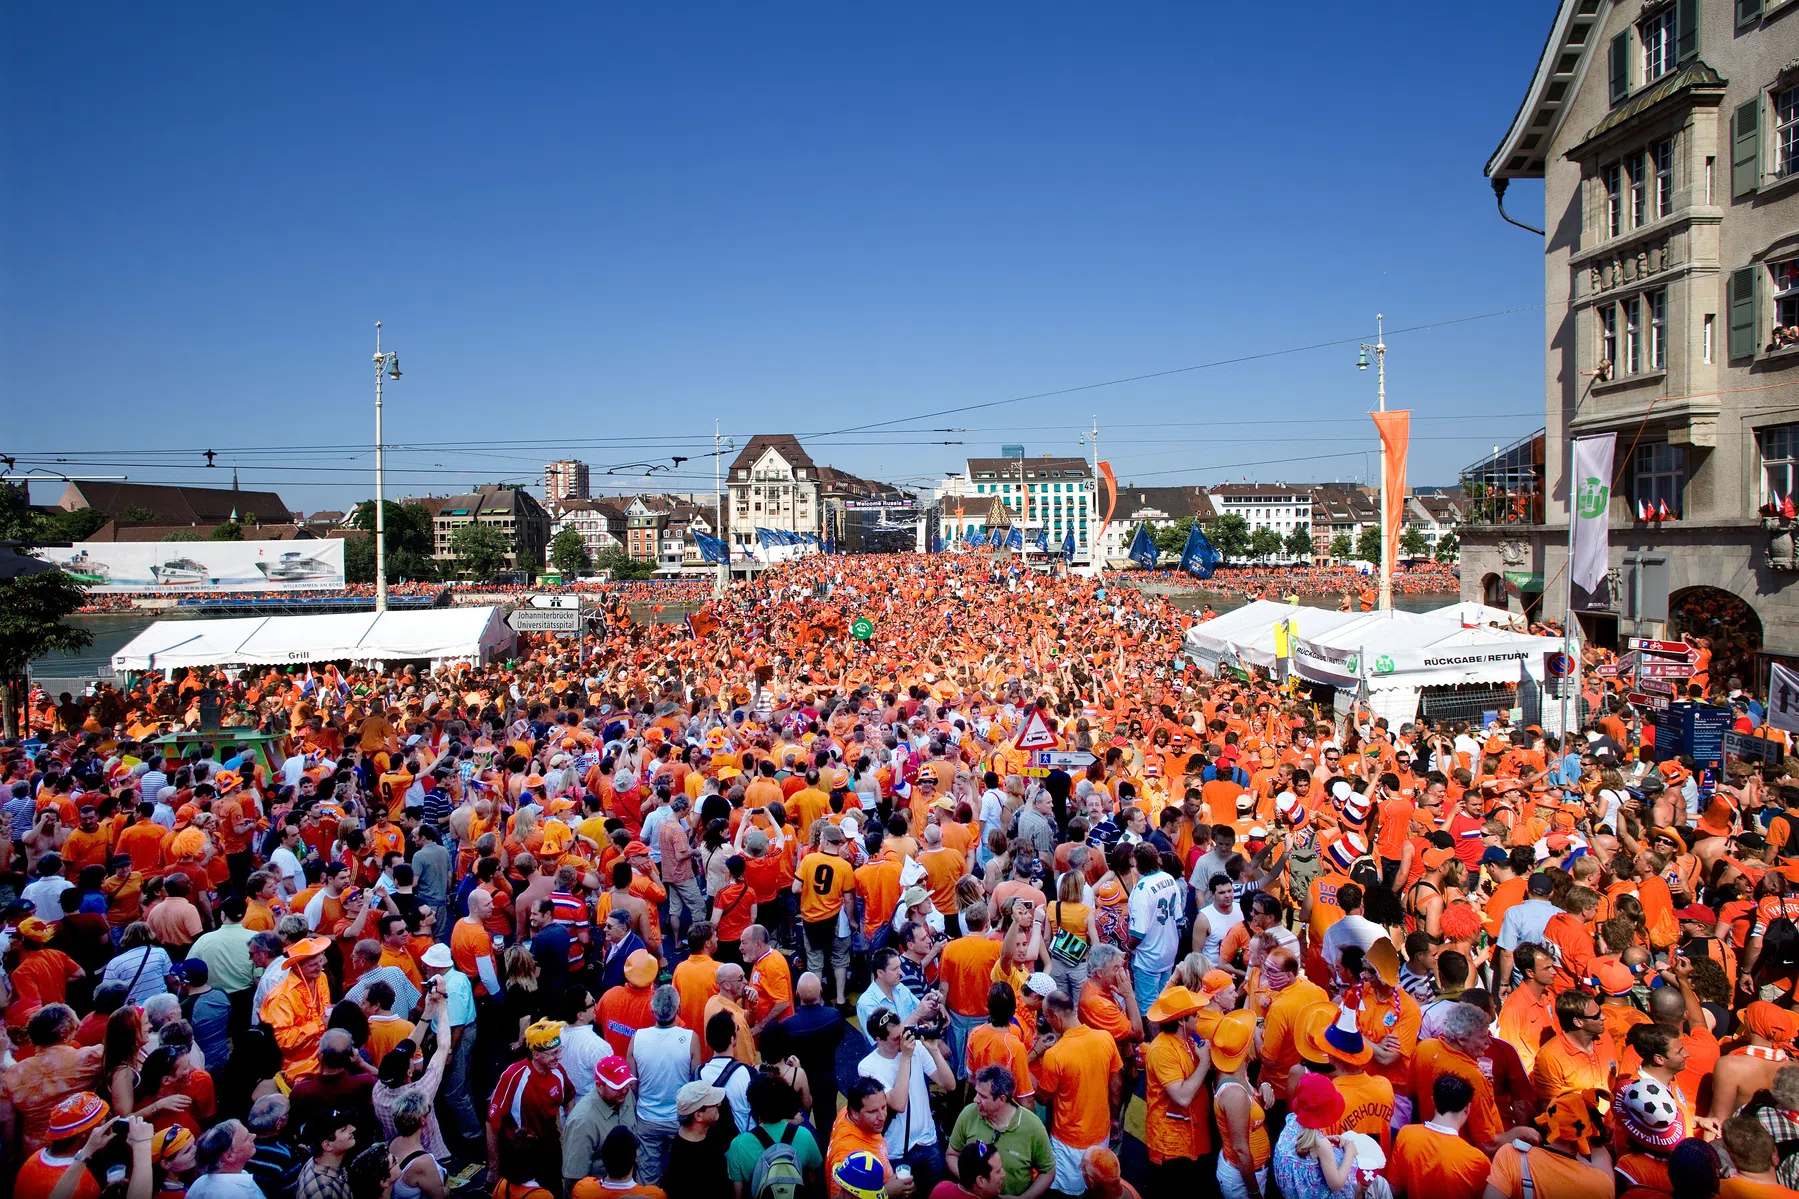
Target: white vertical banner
1590, 493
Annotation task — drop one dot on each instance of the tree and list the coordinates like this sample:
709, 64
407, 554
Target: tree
1367, 544
1229, 535
71, 527
1264, 542
1449, 548
1412, 543
622, 565
229, 531
137, 514
480, 550
33, 608
1299, 543
1172, 538
181, 535
568, 553
410, 541
1341, 546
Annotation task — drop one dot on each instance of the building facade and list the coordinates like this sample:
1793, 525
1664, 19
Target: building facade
1157, 507
600, 523
512, 510
865, 516
565, 480
1667, 138
773, 484
1279, 507
1044, 495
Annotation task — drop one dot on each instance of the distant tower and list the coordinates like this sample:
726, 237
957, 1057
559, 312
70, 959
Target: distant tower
565, 480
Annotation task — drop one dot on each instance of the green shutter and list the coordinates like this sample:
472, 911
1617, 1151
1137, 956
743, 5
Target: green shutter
1742, 312
1746, 148
1748, 11
1620, 66
1686, 30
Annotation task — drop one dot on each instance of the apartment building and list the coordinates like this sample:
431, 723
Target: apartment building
512, 510
565, 480
773, 484
1047, 495
1667, 137
1280, 507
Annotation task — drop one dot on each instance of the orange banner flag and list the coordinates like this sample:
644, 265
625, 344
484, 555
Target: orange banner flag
1395, 437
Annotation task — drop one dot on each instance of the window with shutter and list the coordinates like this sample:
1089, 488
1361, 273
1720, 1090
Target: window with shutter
1742, 312
1686, 27
1746, 148
1748, 11
1620, 62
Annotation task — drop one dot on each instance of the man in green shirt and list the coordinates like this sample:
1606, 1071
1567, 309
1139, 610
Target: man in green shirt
776, 1109
994, 1119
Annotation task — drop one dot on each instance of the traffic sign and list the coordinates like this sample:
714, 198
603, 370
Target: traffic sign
545, 620
1626, 664
556, 601
1036, 733
1665, 668
1560, 664
1072, 760
1657, 687
1658, 702
1678, 649
1035, 772
1751, 748
1606, 670
1783, 698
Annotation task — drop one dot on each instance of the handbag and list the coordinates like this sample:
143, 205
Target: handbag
1066, 947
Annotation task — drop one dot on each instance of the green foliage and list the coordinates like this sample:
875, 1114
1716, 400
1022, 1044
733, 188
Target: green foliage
229, 531
622, 565
1229, 535
568, 553
137, 514
1449, 548
1367, 545
74, 526
1342, 546
1299, 543
480, 550
1412, 543
1264, 542
32, 607
1172, 539
181, 535
409, 526
19, 523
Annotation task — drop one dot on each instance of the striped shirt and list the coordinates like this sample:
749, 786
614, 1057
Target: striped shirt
571, 913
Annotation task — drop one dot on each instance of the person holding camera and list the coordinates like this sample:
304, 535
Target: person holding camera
907, 1059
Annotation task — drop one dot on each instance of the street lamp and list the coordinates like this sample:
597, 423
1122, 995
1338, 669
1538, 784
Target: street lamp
387, 366
1387, 548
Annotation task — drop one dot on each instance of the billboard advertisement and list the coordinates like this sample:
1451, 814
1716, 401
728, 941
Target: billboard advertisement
177, 566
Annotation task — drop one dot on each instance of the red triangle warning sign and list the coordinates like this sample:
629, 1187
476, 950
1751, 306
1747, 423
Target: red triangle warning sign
1036, 733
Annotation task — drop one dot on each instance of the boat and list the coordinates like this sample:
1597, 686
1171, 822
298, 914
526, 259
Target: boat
180, 572
83, 569
295, 567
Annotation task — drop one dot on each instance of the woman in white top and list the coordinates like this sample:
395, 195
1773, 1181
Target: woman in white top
141, 966
663, 1059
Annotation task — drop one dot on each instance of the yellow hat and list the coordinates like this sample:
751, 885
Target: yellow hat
1233, 1040
544, 1034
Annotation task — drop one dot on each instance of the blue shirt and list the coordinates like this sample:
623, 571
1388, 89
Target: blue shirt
1524, 922
903, 1002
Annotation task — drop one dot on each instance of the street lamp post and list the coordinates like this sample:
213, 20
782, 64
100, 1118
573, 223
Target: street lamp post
1387, 548
387, 366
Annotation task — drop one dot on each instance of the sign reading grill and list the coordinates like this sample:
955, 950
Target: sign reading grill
545, 620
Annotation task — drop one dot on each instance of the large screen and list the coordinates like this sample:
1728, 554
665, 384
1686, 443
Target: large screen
178, 566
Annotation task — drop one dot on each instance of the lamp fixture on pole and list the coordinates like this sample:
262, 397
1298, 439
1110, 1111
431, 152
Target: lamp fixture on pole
387, 366
1387, 548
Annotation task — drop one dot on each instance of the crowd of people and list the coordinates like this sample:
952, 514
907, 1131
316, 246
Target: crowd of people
1310, 582
758, 905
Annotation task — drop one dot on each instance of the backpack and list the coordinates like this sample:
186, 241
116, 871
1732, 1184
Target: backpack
777, 1173
1780, 944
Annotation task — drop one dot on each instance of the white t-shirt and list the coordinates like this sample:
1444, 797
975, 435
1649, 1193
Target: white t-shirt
225, 1186
286, 861
914, 1126
1214, 924
1155, 920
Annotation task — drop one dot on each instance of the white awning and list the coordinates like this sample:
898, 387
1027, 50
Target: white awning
1393, 650
1249, 632
436, 634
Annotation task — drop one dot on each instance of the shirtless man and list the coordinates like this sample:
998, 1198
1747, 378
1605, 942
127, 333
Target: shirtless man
1751, 1067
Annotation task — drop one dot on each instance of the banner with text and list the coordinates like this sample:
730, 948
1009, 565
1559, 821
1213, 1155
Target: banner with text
177, 566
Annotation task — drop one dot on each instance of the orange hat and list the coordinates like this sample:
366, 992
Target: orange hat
1212, 984
1436, 856
1314, 1018
80, 1113
1175, 1003
307, 947
1718, 819
1613, 977
640, 968
1771, 1023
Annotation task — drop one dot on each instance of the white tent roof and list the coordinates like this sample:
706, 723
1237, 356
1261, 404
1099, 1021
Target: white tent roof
1475, 613
434, 633
1248, 632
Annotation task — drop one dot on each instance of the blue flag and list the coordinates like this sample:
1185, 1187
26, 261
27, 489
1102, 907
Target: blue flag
995, 538
1068, 546
970, 536
936, 545
1198, 557
1143, 550
1041, 545
1015, 539
711, 548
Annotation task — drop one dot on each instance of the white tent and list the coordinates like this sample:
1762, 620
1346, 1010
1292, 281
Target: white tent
1474, 614
437, 634
1249, 632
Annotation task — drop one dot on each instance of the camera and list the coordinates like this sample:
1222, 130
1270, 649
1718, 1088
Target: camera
930, 1031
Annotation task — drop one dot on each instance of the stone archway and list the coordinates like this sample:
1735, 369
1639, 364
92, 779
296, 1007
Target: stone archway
1727, 621
1492, 591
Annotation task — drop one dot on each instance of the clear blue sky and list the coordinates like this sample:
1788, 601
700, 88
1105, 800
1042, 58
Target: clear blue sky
622, 221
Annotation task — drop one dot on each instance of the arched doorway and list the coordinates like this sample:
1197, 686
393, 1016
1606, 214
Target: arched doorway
1727, 621
1492, 592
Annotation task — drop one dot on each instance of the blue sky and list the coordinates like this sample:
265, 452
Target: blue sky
594, 229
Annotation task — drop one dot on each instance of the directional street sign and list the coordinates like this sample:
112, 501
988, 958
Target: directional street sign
1647, 701
1677, 649
1072, 760
1665, 668
545, 620
1783, 699
556, 601
1657, 687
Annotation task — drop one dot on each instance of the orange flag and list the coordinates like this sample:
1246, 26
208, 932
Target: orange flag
1395, 436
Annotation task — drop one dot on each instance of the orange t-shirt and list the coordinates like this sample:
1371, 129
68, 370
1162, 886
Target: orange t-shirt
879, 883
943, 869
1075, 1075
1562, 1066
826, 879
697, 981
1427, 1163
1435, 1058
1170, 1131
469, 942
143, 843
1280, 1050
1098, 1010
1739, 1187
1551, 1173
1523, 1019
846, 1139
990, 1046
966, 969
